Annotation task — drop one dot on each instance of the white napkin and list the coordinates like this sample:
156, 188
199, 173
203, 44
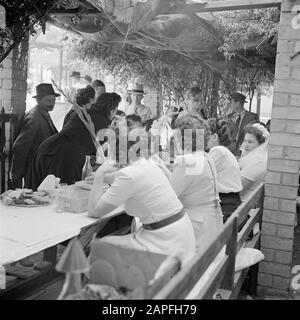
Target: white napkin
49, 184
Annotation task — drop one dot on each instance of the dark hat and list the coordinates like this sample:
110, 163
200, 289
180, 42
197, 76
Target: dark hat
236, 96
45, 89
88, 78
137, 89
75, 74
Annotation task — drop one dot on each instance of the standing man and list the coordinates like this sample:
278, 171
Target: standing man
139, 109
37, 127
242, 118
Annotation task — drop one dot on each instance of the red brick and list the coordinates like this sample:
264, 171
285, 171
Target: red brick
293, 113
273, 177
293, 127
5, 73
283, 257
286, 8
271, 203
290, 153
295, 100
281, 99
280, 217
274, 268
269, 228
286, 86
285, 139
285, 231
280, 283
276, 243
265, 291
287, 205
278, 125
295, 74
265, 279
275, 152
278, 191
268, 253
285, 20
282, 59
5, 94
290, 179
279, 112
283, 73
279, 165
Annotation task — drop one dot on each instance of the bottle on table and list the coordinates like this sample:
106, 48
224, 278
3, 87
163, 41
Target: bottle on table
87, 168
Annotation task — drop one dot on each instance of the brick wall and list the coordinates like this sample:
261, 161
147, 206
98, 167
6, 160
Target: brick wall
13, 86
283, 164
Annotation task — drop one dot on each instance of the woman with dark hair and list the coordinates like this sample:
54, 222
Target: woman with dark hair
254, 158
194, 179
63, 154
84, 98
228, 171
147, 195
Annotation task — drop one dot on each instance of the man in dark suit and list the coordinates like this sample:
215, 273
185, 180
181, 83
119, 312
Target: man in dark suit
37, 127
242, 118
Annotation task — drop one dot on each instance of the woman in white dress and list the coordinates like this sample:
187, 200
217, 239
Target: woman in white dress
254, 158
147, 195
194, 180
228, 171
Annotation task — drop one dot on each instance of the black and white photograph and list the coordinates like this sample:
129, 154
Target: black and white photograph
149, 154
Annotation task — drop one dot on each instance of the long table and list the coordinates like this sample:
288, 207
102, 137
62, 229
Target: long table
27, 231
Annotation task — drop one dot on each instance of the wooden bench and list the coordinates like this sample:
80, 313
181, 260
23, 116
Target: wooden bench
223, 278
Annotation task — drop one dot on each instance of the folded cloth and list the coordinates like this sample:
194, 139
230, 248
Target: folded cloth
247, 257
49, 184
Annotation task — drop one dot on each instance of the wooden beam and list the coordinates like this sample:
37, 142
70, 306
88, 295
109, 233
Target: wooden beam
223, 6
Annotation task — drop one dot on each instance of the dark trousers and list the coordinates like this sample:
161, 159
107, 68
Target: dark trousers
229, 202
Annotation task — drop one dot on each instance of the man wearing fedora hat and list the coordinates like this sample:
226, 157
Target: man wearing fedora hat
242, 118
37, 126
76, 84
141, 110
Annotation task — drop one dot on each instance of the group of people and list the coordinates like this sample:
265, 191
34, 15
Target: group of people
176, 211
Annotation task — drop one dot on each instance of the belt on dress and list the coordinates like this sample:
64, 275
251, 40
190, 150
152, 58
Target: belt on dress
165, 222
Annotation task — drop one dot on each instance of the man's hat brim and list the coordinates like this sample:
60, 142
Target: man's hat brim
48, 94
136, 91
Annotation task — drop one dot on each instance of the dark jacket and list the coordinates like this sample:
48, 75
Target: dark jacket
238, 137
63, 154
37, 127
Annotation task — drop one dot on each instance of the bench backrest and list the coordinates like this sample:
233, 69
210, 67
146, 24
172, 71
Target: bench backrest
223, 276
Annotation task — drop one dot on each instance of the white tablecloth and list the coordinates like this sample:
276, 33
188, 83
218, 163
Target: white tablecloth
25, 231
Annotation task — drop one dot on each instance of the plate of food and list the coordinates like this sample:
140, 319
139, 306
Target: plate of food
26, 198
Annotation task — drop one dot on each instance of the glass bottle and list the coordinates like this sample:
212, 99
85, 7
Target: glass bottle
87, 168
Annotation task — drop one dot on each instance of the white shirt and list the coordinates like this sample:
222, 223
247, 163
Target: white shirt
228, 170
145, 190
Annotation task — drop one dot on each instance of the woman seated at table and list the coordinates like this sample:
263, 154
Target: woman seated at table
228, 171
194, 180
63, 154
147, 195
254, 158
85, 97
